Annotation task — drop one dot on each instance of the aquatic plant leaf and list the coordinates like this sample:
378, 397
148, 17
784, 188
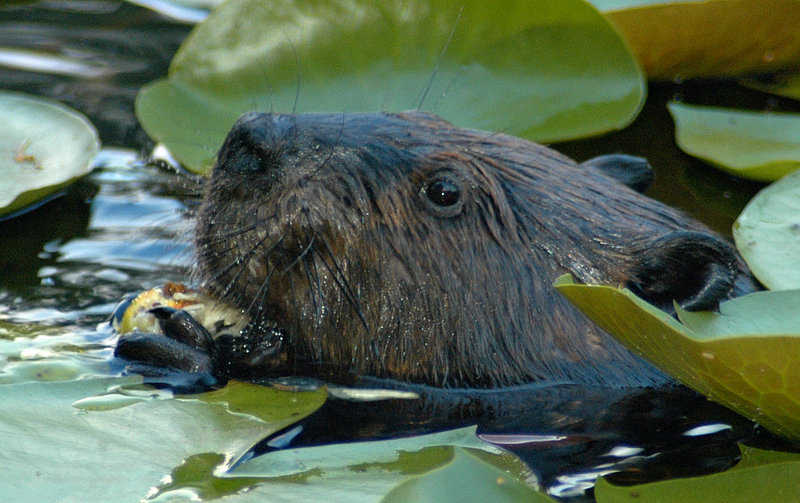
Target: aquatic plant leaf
746, 357
760, 476
44, 146
464, 478
551, 70
708, 38
108, 439
136, 443
389, 470
340, 456
767, 234
755, 145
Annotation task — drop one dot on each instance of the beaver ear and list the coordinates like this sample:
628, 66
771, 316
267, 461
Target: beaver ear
698, 270
635, 172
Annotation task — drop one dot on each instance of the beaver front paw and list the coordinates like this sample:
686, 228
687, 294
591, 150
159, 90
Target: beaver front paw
695, 269
183, 355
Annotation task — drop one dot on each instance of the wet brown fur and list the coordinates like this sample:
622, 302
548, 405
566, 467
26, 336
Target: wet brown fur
318, 224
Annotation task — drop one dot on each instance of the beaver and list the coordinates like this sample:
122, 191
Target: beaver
399, 246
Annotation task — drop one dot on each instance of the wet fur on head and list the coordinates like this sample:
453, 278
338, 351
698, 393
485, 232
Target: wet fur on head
325, 225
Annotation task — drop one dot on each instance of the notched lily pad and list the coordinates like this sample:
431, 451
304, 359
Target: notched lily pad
556, 70
767, 234
44, 146
756, 145
759, 476
746, 357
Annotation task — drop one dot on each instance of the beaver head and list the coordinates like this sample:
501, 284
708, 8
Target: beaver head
401, 246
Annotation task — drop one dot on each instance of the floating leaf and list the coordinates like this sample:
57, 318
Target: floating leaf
136, 443
756, 145
551, 70
759, 476
388, 470
71, 441
44, 146
767, 234
465, 478
341, 456
711, 38
746, 357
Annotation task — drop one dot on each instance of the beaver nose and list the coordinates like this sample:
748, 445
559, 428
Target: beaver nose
697, 270
254, 144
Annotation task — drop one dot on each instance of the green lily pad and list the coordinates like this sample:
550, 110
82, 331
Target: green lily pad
465, 478
135, 443
746, 357
332, 457
767, 234
426, 466
44, 146
708, 38
106, 439
755, 145
759, 476
554, 71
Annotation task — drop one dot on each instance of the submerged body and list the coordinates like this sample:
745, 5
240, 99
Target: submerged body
400, 246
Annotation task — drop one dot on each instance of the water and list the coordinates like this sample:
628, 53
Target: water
124, 228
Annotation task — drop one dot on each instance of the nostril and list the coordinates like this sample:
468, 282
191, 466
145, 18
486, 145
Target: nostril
252, 145
697, 270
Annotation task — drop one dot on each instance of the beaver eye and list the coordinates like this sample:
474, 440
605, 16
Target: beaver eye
443, 193
443, 197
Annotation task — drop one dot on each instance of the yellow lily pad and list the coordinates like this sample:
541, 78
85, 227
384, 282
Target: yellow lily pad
746, 356
708, 38
760, 476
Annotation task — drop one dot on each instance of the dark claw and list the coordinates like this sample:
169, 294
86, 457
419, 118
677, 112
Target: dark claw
183, 357
243, 355
161, 351
695, 269
179, 325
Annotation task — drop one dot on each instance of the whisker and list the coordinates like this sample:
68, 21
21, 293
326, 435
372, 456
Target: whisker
299, 257
242, 261
332, 151
221, 237
299, 73
261, 294
341, 282
312, 280
439, 61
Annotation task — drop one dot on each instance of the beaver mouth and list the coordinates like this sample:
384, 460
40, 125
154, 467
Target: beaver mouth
286, 272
